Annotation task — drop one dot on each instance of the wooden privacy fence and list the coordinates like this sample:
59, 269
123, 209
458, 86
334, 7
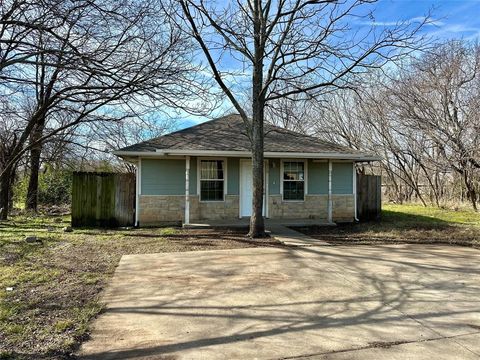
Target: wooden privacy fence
103, 199
369, 197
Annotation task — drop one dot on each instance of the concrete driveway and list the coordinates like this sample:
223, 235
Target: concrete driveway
326, 302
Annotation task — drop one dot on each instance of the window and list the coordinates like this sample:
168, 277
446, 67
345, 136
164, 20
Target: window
293, 180
211, 180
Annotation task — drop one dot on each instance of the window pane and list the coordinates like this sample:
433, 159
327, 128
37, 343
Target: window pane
211, 169
293, 190
293, 170
211, 190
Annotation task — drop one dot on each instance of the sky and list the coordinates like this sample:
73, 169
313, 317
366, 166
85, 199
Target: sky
449, 19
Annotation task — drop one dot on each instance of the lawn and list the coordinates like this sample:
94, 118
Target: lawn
50, 291
407, 224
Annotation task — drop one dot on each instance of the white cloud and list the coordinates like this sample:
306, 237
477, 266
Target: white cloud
457, 31
416, 19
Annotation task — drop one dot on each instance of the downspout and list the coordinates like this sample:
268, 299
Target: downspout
330, 200
187, 190
355, 191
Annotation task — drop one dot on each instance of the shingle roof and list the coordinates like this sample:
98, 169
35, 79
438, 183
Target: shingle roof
228, 134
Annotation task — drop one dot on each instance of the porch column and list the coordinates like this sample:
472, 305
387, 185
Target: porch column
355, 191
187, 190
138, 191
330, 200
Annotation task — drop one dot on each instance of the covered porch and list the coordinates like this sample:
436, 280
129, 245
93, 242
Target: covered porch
303, 211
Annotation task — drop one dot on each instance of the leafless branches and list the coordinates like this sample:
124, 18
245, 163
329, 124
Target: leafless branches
66, 64
288, 49
424, 120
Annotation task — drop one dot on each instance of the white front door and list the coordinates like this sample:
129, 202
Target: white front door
246, 189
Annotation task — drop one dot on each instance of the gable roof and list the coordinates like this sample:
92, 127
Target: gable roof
227, 134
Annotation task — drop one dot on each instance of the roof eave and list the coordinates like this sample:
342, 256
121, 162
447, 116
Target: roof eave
161, 153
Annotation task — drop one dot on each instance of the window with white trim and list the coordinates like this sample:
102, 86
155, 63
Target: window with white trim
293, 180
212, 180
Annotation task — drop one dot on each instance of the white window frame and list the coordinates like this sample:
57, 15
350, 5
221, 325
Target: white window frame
199, 173
305, 177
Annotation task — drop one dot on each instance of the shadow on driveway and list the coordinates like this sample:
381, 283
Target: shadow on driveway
292, 302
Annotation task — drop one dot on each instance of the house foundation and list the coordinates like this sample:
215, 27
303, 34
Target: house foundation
164, 209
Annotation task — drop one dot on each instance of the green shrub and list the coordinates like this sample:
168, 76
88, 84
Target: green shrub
54, 187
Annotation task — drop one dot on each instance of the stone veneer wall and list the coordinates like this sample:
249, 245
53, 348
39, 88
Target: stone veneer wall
343, 208
216, 210
314, 207
160, 209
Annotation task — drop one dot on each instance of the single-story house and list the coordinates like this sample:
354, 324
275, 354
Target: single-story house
205, 173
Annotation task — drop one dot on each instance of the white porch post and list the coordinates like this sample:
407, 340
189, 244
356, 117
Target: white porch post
187, 190
138, 191
265, 186
330, 200
355, 190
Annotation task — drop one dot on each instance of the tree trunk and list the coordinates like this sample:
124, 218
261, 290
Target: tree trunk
473, 198
257, 225
471, 193
5, 182
31, 202
13, 179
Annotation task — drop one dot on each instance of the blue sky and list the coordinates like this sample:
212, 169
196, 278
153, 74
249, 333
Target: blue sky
450, 19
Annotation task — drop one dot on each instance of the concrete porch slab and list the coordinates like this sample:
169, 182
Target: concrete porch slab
244, 222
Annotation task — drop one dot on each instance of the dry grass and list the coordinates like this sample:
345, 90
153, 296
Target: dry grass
407, 224
57, 283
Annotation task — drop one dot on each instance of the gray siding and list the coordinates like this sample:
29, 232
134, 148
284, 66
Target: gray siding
163, 177
167, 177
274, 176
317, 177
342, 178
233, 176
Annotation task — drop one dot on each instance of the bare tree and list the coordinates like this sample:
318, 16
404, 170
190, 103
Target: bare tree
288, 48
69, 63
295, 114
99, 140
423, 119
440, 97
